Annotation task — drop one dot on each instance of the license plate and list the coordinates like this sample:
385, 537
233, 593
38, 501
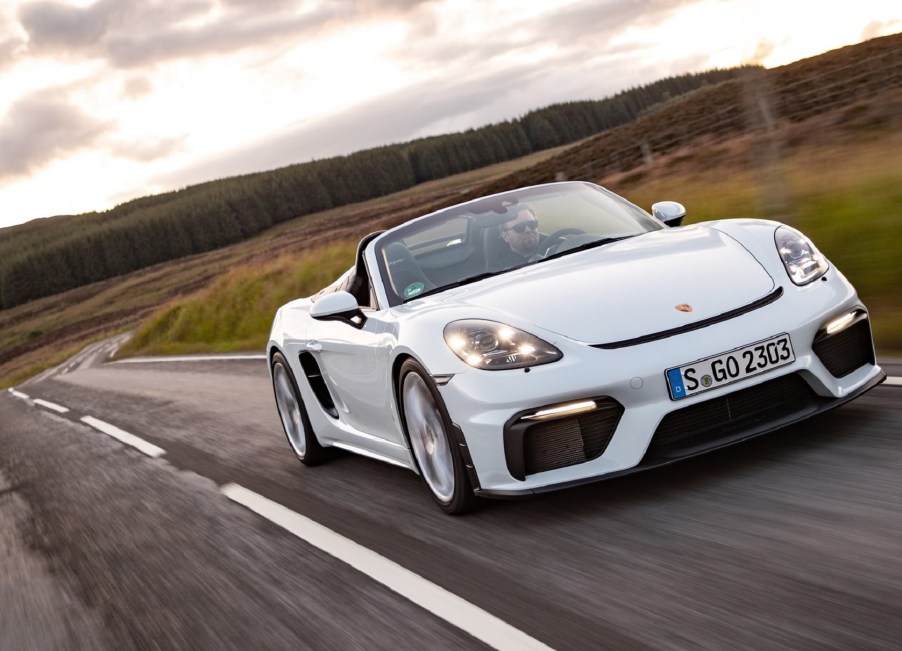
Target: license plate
729, 367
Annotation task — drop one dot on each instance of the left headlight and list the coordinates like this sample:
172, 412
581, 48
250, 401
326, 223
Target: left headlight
495, 346
801, 258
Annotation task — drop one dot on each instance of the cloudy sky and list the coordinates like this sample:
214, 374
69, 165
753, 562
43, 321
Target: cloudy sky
105, 100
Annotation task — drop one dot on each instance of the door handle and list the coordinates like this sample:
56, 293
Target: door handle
315, 346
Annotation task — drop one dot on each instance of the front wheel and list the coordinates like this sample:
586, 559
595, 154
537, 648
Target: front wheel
293, 415
428, 428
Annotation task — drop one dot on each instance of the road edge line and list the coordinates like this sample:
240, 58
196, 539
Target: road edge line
440, 602
189, 358
51, 406
122, 436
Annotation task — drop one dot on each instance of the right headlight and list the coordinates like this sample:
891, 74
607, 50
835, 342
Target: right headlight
801, 258
495, 346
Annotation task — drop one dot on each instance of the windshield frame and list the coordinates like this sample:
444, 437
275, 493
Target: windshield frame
490, 212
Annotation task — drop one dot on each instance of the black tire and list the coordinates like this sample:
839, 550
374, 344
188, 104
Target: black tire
429, 433
293, 415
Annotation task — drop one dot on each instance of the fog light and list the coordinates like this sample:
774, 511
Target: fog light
563, 410
841, 323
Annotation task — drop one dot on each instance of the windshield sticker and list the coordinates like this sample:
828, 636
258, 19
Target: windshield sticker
413, 289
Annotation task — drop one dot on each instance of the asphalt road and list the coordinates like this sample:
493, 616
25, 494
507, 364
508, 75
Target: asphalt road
793, 540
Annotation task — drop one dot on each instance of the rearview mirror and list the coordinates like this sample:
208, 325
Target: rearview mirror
669, 212
338, 306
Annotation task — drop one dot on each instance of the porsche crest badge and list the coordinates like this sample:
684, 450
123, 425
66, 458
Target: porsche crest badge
684, 307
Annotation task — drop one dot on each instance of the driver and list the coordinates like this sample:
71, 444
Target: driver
521, 234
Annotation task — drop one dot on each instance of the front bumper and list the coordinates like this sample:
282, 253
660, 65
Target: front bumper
806, 410
487, 405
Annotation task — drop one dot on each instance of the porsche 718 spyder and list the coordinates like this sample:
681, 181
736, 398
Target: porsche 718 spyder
558, 334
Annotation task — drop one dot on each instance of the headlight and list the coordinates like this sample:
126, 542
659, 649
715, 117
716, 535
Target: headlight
494, 346
801, 258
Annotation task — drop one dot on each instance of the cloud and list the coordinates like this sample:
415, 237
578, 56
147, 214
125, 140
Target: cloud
466, 95
134, 33
145, 151
137, 87
12, 44
9, 51
392, 118
40, 128
417, 111
577, 33
763, 50
223, 37
877, 28
54, 26
598, 22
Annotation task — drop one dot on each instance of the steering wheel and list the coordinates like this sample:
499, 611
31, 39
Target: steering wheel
554, 240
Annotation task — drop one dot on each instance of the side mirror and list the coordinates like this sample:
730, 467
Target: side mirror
669, 212
338, 306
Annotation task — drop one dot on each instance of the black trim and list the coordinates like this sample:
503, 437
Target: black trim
317, 383
843, 352
825, 404
704, 323
354, 318
465, 455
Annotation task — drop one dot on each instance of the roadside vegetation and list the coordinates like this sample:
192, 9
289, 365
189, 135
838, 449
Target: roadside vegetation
841, 188
235, 313
848, 209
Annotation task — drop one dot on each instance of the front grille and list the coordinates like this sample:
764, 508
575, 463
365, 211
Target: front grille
846, 350
533, 447
730, 416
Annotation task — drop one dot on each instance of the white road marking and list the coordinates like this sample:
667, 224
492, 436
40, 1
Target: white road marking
19, 395
149, 449
51, 405
188, 358
42, 376
446, 605
894, 381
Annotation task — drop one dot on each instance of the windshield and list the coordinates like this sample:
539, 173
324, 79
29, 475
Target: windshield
495, 234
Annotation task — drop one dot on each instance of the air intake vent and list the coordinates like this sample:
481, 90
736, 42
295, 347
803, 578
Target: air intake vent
318, 384
847, 350
533, 447
745, 411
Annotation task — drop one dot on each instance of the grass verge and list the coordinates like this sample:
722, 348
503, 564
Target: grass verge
235, 313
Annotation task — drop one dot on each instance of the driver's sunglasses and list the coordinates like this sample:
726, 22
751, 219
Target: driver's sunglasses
521, 227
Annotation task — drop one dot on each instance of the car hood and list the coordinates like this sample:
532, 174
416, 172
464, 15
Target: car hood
629, 288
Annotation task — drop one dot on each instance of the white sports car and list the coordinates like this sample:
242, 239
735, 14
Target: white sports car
557, 334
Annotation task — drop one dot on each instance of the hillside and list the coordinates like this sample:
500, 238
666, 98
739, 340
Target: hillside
203, 217
759, 102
